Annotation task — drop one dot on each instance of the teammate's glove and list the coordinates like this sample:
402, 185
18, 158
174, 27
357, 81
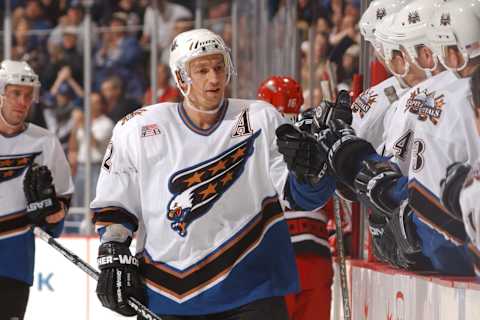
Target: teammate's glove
408, 243
304, 121
372, 184
452, 185
40, 193
343, 147
301, 153
384, 243
119, 278
328, 111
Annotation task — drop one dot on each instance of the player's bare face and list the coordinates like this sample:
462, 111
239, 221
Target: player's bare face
208, 76
16, 104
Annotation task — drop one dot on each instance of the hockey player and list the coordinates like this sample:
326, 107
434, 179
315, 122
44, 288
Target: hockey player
307, 229
201, 182
35, 185
461, 187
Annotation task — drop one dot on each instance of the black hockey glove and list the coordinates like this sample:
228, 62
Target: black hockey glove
40, 193
328, 111
451, 186
343, 147
409, 246
384, 243
372, 184
119, 278
302, 154
304, 121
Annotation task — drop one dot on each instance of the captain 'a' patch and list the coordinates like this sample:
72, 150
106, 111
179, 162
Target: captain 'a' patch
12, 166
197, 188
242, 126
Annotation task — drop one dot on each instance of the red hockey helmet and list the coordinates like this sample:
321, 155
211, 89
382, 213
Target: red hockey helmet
282, 92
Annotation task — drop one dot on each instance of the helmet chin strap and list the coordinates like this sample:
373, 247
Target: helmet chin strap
189, 104
7, 124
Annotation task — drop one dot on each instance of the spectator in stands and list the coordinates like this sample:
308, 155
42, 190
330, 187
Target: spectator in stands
22, 42
101, 131
348, 68
74, 17
179, 26
321, 50
119, 54
167, 14
117, 105
165, 91
35, 13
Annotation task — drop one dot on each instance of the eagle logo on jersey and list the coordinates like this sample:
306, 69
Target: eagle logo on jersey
197, 188
426, 105
364, 102
131, 115
13, 166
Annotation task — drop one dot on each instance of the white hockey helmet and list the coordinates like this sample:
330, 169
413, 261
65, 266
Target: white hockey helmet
375, 13
193, 44
408, 29
18, 73
456, 26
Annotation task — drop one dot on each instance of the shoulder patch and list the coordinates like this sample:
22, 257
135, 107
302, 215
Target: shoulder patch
426, 105
150, 130
364, 102
131, 115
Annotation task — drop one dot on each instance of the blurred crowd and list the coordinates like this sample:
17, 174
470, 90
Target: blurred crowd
50, 36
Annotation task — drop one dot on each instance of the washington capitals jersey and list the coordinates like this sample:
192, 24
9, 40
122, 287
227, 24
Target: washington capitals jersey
400, 122
470, 204
369, 109
17, 153
444, 133
206, 202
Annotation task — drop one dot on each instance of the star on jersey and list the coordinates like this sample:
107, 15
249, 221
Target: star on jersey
13, 166
197, 188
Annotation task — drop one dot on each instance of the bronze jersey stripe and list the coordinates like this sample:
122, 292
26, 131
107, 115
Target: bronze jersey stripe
202, 275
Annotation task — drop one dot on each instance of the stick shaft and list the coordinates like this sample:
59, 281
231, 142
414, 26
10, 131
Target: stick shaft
342, 264
92, 272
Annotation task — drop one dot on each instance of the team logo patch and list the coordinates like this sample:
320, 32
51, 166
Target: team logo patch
13, 166
364, 102
150, 130
197, 188
131, 115
413, 17
425, 105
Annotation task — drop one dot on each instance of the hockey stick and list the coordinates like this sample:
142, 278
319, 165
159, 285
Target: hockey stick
343, 265
76, 260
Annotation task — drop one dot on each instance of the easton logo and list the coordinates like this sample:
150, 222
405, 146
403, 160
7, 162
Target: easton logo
39, 205
364, 102
425, 105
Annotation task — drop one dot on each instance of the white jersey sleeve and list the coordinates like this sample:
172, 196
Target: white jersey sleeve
117, 197
370, 108
56, 161
470, 204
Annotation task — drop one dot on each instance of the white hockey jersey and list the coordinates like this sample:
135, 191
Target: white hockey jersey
211, 228
369, 109
470, 204
444, 133
401, 121
17, 153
